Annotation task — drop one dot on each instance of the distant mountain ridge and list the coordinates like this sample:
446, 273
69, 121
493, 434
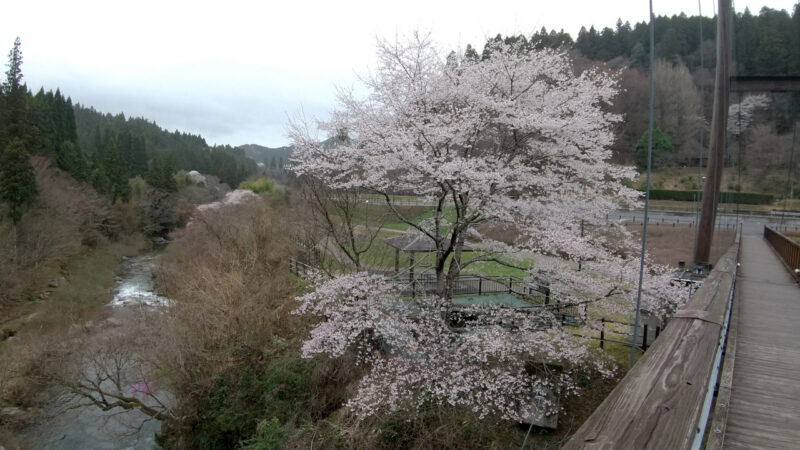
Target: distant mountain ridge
260, 153
105, 136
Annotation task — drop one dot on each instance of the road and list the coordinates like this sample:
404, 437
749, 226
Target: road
751, 224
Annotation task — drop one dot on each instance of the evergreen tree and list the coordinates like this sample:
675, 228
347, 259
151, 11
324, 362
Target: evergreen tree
160, 175
138, 157
623, 37
96, 148
638, 56
471, 54
794, 63
15, 93
99, 180
114, 170
544, 39
661, 145
71, 159
17, 181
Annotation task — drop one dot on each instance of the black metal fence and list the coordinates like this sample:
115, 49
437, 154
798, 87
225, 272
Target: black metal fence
426, 284
606, 332
538, 294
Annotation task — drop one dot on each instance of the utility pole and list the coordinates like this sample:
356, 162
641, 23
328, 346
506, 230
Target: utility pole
719, 124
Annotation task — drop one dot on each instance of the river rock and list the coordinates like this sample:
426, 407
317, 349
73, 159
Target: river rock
12, 415
159, 242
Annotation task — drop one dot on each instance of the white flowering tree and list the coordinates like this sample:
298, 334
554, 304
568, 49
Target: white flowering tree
514, 140
741, 114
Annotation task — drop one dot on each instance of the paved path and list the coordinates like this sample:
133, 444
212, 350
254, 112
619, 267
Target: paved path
765, 398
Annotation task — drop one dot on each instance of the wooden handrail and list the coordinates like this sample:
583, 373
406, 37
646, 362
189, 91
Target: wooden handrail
787, 249
659, 403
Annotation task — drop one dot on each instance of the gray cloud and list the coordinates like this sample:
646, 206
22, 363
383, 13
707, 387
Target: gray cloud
233, 71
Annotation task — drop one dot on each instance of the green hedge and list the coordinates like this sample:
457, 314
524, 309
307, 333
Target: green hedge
743, 198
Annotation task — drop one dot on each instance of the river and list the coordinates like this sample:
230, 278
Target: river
90, 427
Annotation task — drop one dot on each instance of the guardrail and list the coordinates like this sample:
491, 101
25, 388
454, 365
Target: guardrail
786, 248
663, 401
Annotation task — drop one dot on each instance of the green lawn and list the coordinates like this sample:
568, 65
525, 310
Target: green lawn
382, 255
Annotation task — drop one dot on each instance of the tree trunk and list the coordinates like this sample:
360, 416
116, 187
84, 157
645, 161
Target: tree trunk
719, 122
16, 244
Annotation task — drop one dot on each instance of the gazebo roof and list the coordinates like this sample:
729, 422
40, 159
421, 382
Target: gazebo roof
416, 242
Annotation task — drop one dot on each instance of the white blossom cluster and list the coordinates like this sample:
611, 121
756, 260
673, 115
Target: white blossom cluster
514, 140
740, 115
495, 365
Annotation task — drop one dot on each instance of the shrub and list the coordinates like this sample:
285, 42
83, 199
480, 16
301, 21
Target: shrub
269, 436
261, 185
661, 147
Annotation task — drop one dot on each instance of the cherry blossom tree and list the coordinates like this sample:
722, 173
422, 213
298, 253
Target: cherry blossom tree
741, 114
514, 140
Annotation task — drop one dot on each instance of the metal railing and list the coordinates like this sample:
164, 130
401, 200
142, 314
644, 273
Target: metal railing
787, 249
302, 269
536, 292
607, 332
426, 283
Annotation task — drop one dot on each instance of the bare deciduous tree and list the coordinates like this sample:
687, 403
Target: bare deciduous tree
677, 107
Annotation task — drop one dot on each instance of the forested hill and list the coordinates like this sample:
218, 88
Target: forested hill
767, 43
143, 143
275, 157
271, 157
764, 44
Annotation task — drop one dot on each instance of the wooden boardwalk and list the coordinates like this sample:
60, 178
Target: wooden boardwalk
764, 409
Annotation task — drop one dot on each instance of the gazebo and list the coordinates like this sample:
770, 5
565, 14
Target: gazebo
413, 243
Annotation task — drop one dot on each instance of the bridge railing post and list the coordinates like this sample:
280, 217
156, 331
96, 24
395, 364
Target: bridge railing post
644, 338
602, 331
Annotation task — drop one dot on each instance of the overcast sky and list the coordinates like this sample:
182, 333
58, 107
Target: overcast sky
233, 71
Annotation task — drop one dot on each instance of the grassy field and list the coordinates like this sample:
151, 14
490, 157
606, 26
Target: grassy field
382, 255
666, 244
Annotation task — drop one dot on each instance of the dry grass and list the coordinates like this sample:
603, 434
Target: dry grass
229, 345
28, 360
668, 245
65, 217
227, 272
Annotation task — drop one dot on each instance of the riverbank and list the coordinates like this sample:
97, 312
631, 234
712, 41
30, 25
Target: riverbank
72, 302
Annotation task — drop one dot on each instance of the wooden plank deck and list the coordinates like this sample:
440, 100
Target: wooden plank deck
764, 410
658, 402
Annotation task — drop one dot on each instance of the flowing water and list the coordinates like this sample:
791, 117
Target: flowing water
135, 287
90, 427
